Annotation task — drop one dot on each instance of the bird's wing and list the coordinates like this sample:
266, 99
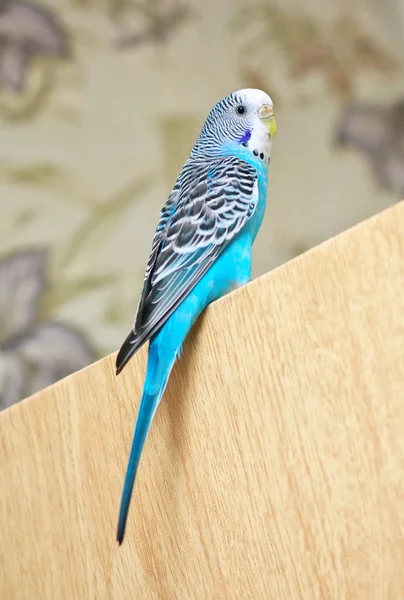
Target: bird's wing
202, 215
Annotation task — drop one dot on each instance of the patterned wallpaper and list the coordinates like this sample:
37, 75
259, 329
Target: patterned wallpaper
100, 103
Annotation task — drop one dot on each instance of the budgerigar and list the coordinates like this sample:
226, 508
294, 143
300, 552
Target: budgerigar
202, 246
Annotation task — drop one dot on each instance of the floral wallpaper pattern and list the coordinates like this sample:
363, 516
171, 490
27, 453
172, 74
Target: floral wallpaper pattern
35, 350
100, 103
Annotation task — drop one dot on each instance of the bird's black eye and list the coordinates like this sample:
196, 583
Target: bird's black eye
240, 110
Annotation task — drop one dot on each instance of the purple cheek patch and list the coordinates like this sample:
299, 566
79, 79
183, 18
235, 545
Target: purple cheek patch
245, 138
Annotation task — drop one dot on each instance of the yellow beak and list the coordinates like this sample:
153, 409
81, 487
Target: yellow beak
266, 114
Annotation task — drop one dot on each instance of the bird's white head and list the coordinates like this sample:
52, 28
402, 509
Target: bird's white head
245, 117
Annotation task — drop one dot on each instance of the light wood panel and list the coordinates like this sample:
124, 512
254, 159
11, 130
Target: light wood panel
275, 464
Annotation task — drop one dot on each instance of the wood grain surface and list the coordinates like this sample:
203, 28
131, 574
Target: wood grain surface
275, 464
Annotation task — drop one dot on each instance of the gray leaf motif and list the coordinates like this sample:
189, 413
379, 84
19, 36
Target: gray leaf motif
27, 30
51, 352
378, 133
22, 283
56, 348
13, 62
11, 379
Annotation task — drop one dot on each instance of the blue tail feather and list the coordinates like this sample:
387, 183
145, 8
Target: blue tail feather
152, 393
147, 409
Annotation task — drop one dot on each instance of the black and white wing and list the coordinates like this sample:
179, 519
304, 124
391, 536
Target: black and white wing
208, 206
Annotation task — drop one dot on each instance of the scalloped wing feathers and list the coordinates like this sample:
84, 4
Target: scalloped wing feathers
210, 203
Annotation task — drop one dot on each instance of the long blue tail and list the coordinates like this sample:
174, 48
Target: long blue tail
156, 380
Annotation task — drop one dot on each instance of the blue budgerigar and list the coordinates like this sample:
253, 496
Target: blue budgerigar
202, 246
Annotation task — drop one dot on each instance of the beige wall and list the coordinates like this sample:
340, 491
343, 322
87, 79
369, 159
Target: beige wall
92, 140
